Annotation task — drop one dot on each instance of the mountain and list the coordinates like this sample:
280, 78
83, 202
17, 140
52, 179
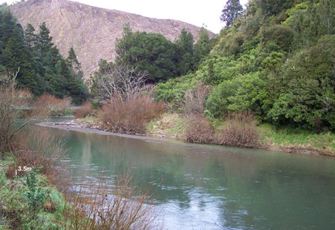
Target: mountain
91, 31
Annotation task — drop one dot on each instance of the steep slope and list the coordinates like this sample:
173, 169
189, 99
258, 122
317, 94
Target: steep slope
91, 31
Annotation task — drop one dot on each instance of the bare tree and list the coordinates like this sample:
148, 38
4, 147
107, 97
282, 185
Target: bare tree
120, 81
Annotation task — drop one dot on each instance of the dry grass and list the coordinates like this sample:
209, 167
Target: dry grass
104, 211
83, 111
239, 130
199, 130
48, 105
130, 116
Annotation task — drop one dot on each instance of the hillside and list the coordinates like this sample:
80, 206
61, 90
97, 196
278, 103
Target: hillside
91, 31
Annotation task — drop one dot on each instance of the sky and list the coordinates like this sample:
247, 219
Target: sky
197, 12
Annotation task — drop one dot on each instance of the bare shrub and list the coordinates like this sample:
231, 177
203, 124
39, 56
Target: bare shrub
42, 150
199, 130
121, 210
194, 102
119, 81
48, 105
240, 130
131, 115
83, 111
9, 115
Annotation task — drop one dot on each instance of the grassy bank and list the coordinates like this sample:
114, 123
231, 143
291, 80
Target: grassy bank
283, 139
27, 200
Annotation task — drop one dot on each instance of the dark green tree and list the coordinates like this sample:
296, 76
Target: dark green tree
185, 52
232, 10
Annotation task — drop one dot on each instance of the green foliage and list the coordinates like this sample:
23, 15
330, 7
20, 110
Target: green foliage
272, 7
307, 85
160, 58
148, 52
239, 94
37, 62
282, 36
35, 195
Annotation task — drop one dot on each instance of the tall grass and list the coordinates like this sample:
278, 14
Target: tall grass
48, 105
84, 110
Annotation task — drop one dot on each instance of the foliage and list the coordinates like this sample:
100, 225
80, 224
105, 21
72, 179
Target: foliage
276, 61
148, 52
35, 195
160, 58
38, 63
306, 94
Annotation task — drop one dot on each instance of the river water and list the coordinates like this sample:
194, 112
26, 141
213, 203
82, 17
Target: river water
210, 187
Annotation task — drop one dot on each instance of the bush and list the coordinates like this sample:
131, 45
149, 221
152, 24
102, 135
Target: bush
48, 105
120, 210
199, 130
83, 111
239, 130
195, 100
130, 116
282, 36
9, 114
305, 93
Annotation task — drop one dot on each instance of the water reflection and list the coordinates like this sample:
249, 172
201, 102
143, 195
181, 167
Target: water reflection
210, 187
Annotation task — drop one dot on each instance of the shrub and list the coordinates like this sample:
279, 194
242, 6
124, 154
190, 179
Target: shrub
48, 105
305, 91
130, 116
120, 210
280, 35
9, 115
83, 111
239, 130
195, 100
199, 130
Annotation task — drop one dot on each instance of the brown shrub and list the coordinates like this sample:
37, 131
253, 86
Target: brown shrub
240, 130
199, 130
37, 148
84, 110
9, 114
194, 100
48, 105
121, 210
131, 115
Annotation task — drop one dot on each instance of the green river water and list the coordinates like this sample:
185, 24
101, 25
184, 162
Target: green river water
210, 187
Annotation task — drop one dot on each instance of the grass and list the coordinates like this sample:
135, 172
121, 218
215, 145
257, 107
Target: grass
170, 125
288, 137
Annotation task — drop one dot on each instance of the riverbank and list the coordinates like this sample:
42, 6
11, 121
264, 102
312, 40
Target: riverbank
27, 199
172, 127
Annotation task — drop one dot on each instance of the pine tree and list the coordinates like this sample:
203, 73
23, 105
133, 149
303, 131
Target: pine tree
231, 11
74, 64
185, 52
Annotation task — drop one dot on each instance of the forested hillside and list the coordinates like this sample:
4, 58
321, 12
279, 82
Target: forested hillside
35, 62
277, 60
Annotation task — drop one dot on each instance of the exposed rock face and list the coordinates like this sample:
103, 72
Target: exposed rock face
91, 31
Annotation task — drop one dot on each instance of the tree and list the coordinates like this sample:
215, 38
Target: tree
202, 47
148, 52
232, 10
74, 64
185, 52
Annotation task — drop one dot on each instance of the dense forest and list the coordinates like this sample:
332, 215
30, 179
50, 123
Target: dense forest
275, 59
36, 63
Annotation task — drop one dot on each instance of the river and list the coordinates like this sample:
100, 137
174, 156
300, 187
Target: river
210, 187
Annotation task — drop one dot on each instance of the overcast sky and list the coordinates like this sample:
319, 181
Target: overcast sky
198, 12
